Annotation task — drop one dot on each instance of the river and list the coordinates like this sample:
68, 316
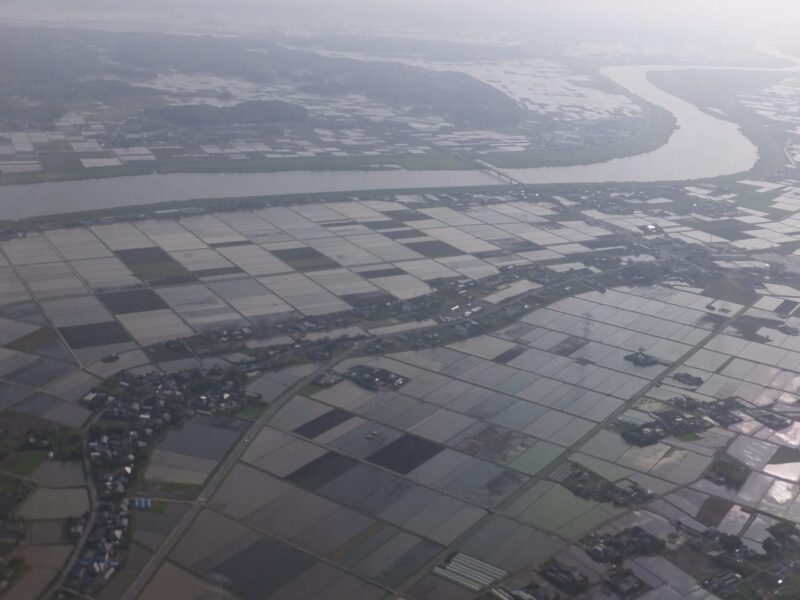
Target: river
53, 198
702, 146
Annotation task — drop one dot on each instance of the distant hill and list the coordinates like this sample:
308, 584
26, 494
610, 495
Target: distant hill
252, 112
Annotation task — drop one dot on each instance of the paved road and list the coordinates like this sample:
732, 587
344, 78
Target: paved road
219, 476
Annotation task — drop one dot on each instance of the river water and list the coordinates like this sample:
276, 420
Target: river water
52, 198
702, 146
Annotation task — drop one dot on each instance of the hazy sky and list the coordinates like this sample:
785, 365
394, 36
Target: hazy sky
742, 19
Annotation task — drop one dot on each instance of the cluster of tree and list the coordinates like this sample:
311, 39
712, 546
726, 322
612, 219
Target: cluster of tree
253, 112
46, 73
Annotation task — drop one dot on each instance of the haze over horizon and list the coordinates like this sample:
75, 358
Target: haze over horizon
609, 20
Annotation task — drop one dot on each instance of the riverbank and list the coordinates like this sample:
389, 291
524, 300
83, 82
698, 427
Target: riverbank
658, 126
18, 202
692, 152
425, 162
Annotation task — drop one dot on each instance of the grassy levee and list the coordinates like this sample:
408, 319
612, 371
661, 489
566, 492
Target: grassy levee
420, 162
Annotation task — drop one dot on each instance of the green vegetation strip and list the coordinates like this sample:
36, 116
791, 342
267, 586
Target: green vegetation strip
421, 162
252, 412
24, 463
